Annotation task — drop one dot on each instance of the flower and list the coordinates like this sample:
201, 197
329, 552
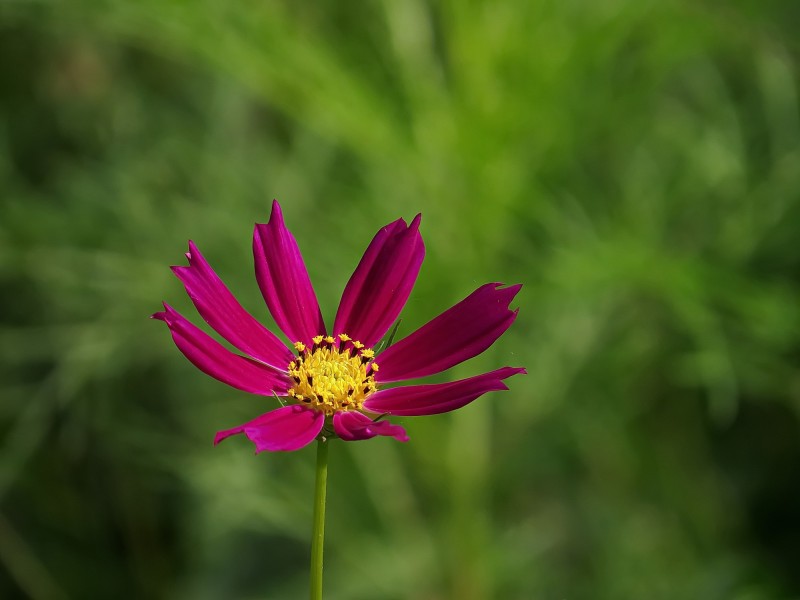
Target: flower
336, 380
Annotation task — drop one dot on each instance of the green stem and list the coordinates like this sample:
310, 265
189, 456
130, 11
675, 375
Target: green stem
318, 534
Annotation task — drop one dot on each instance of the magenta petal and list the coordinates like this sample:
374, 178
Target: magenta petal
284, 429
463, 331
219, 308
213, 359
432, 399
352, 426
382, 282
284, 281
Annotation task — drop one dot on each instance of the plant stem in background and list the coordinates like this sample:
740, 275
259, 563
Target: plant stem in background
318, 534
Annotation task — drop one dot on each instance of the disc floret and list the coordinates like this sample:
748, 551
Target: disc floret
335, 374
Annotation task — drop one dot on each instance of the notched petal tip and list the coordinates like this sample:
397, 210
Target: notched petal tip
275, 218
225, 434
165, 315
276, 211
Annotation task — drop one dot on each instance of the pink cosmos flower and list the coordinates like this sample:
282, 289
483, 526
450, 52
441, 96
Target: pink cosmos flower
337, 379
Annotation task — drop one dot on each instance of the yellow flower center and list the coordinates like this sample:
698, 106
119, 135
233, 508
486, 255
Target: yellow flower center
333, 375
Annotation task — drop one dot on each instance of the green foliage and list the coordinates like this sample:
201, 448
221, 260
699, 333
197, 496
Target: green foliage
633, 164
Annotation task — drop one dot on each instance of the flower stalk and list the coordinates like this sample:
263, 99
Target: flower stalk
318, 533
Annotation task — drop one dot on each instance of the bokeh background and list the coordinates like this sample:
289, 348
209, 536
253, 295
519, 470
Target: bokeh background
635, 164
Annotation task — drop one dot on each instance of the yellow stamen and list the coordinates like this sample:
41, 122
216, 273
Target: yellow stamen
329, 380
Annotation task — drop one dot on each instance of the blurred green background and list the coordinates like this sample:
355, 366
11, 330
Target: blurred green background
635, 164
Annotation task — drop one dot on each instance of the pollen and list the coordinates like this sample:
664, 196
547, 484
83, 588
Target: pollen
336, 374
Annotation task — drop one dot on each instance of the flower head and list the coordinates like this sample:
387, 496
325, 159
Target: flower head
336, 380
